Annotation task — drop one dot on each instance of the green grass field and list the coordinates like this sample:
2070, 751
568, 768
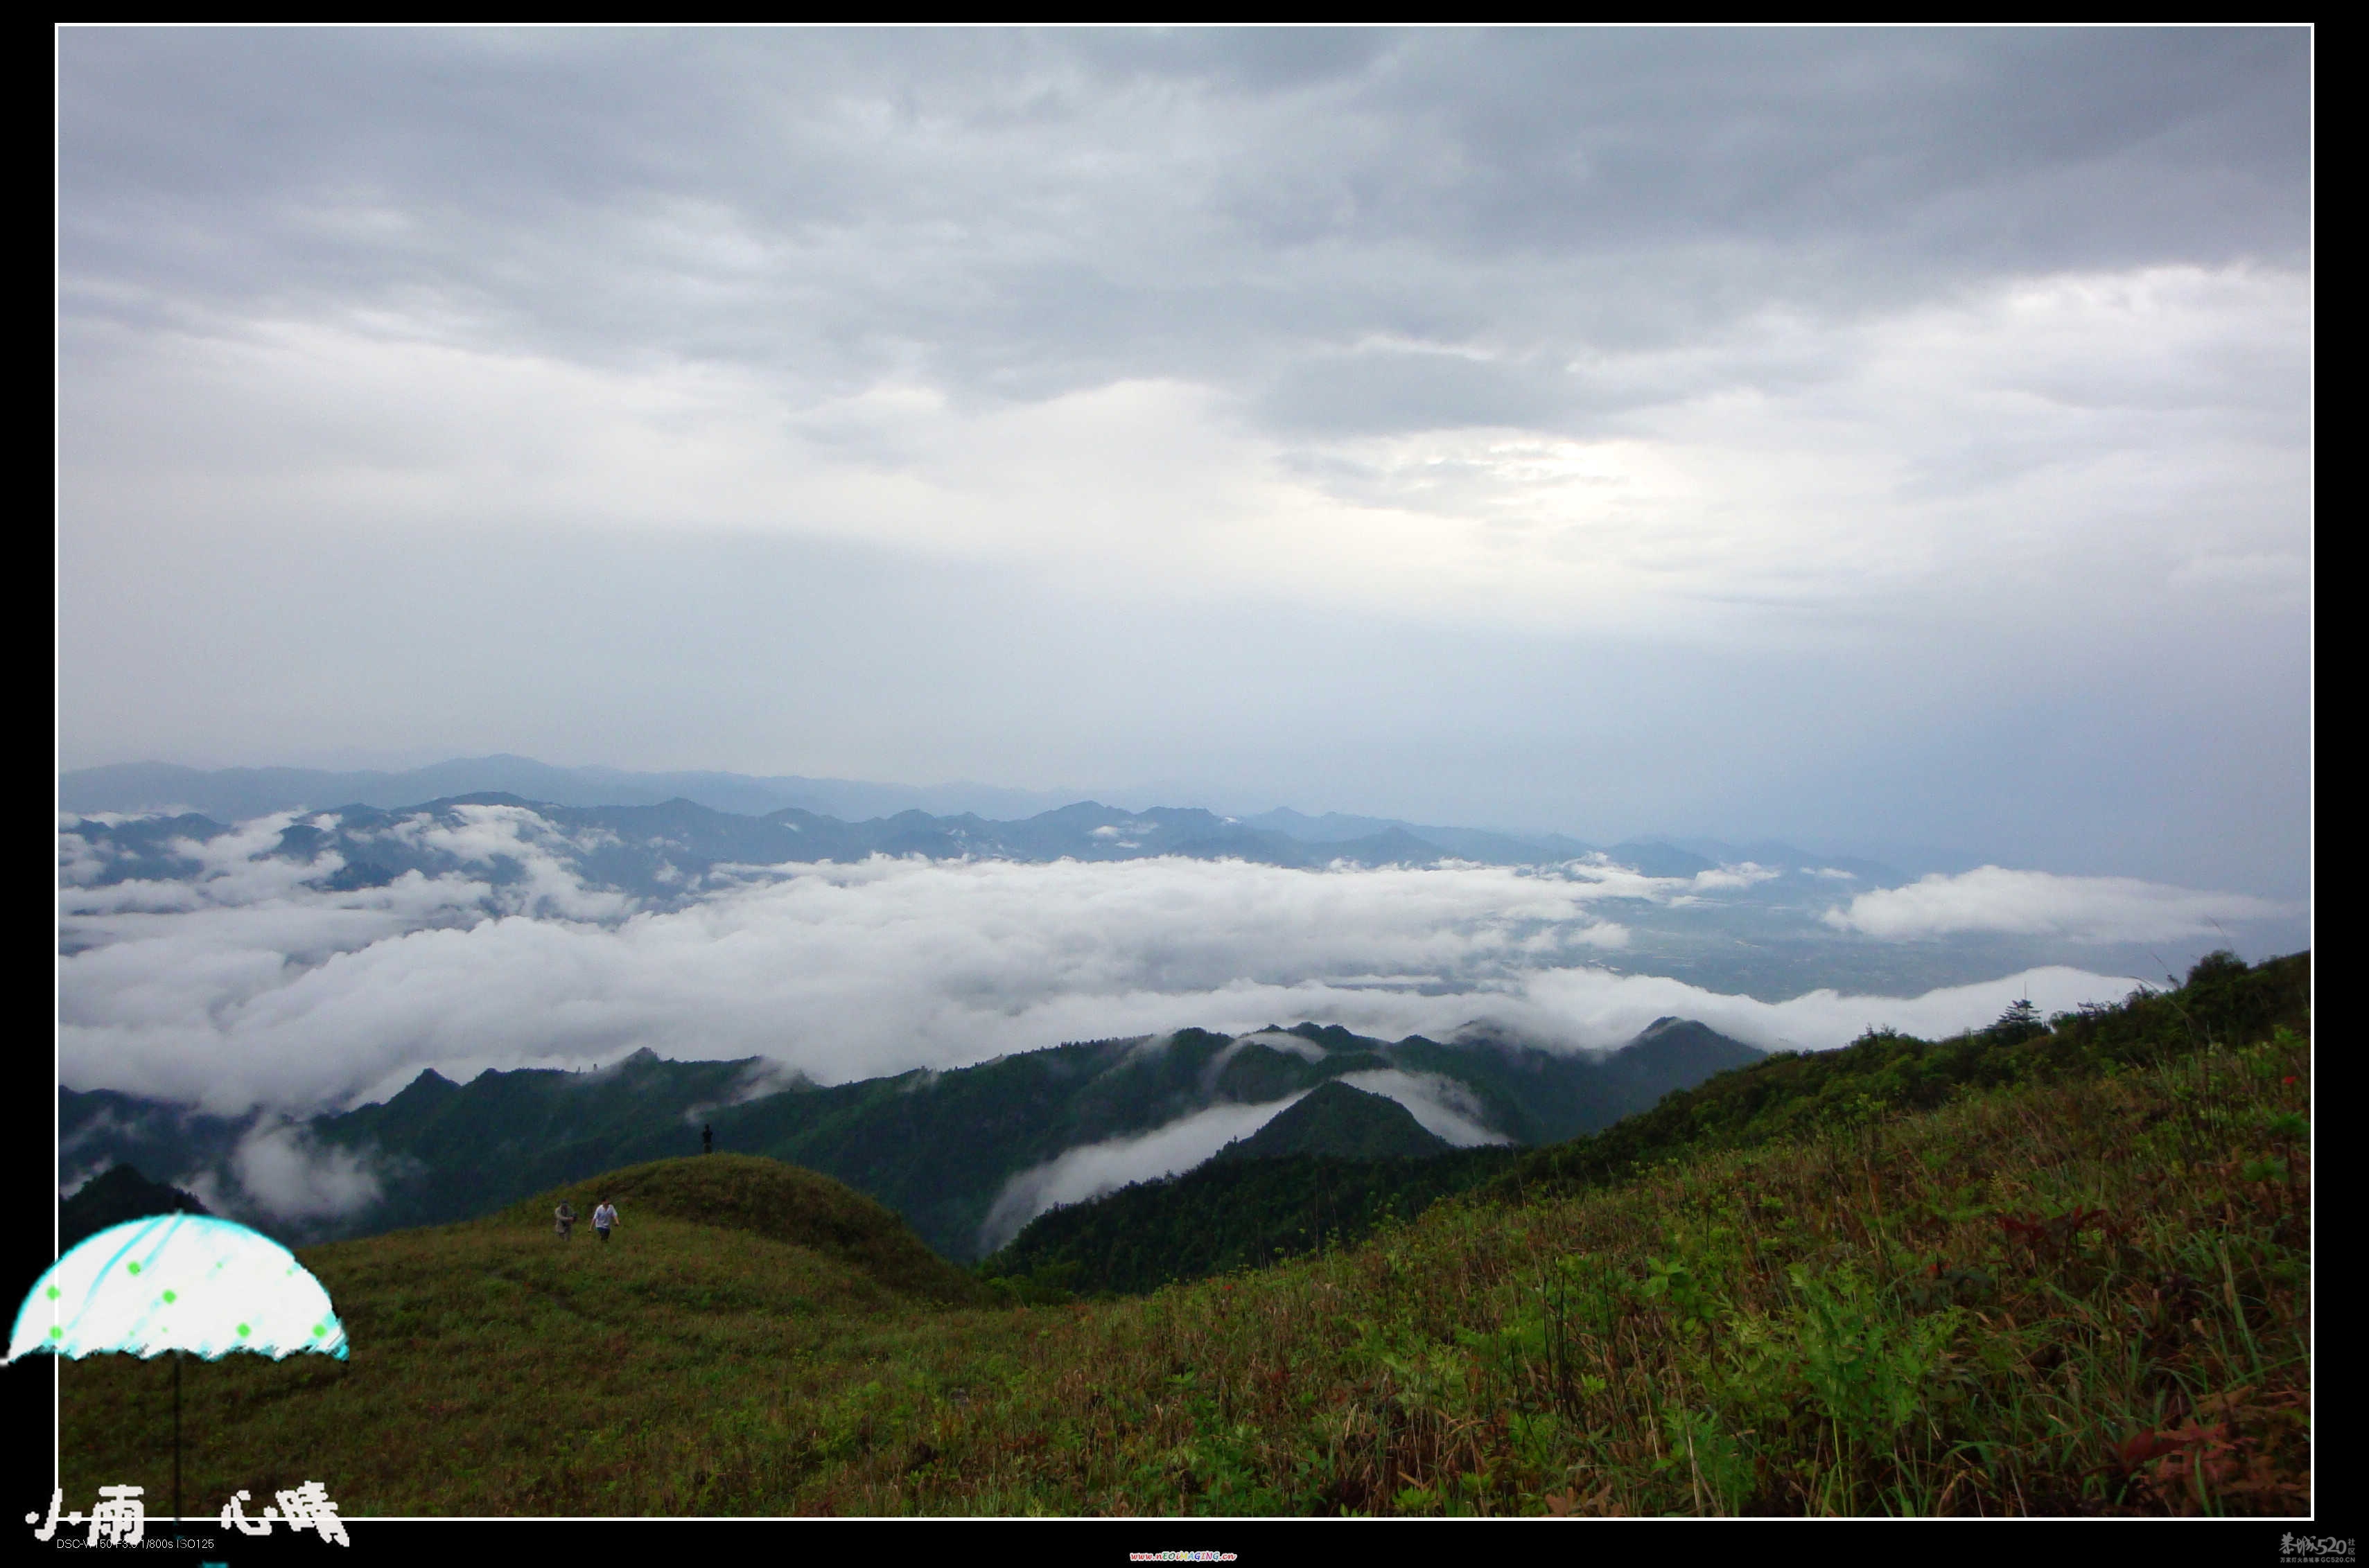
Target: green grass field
2079, 1297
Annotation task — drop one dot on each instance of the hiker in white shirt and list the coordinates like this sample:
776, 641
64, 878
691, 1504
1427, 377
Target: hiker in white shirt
604, 1218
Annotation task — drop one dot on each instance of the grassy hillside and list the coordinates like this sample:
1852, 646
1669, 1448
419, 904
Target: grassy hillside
496, 1369
766, 1197
1793, 1094
2068, 1274
2087, 1296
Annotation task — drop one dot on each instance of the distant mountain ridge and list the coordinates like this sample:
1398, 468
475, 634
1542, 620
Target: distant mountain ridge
238, 793
940, 1148
666, 854
669, 853
937, 820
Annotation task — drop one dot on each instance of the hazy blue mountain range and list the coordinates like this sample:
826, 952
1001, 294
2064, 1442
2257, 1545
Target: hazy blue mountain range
664, 852
1881, 865
940, 1148
236, 794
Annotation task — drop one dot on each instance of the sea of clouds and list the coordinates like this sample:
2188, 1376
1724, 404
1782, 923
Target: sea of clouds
251, 983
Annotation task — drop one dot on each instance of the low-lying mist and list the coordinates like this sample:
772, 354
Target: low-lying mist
253, 981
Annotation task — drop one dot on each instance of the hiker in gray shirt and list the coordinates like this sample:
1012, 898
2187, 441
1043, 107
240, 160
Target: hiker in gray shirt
565, 1215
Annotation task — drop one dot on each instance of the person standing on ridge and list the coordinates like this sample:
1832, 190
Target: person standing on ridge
604, 1219
565, 1215
707, 1139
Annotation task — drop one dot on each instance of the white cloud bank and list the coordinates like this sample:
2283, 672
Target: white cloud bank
1090, 1170
282, 1168
1444, 1107
2036, 903
277, 1168
252, 987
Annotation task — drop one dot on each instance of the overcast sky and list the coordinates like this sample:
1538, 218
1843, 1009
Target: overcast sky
1852, 437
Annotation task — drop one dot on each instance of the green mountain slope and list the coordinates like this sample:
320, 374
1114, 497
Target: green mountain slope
1345, 1123
2066, 1271
1224, 1215
1794, 1093
937, 1147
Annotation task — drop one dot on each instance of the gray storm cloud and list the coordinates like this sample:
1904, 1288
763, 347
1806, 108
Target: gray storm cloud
246, 987
827, 204
1728, 432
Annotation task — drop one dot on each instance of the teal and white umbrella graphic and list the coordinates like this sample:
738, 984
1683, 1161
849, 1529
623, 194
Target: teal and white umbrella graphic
188, 1284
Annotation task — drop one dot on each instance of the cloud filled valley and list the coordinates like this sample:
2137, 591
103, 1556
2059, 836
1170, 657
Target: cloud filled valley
303, 962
